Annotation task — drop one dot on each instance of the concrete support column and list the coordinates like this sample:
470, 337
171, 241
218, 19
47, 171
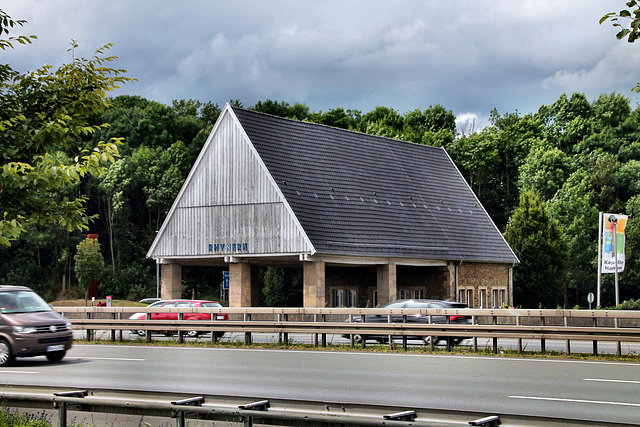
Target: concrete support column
387, 283
450, 281
243, 287
171, 281
314, 284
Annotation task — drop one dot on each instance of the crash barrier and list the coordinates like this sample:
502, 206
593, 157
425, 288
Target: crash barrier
249, 411
569, 325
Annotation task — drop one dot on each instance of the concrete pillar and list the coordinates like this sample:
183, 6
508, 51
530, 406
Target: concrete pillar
171, 281
387, 283
243, 286
314, 284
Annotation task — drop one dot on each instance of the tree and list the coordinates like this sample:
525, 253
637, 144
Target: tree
537, 240
632, 31
89, 262
44, 115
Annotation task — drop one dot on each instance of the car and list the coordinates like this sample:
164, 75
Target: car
30, 327
413, 303
187, 316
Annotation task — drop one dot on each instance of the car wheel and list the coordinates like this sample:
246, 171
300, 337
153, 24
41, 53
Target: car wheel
357, 338
142, 333
6, 355
193, 334
56, 356
428, 338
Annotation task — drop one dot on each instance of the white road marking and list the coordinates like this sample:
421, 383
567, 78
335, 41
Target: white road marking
119, 359
597, 402
18, 372
612, 381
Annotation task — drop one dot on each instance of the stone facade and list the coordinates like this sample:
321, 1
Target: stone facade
484, 285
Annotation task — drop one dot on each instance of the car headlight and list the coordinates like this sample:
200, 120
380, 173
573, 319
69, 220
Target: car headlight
24, 329
69, 326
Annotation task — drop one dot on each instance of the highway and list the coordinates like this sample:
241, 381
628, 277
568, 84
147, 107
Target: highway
593, 390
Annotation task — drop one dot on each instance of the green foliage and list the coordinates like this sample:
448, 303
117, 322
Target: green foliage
630, 29
89, 262
281, 287
13, 418
537, 240
628, 305
44, 115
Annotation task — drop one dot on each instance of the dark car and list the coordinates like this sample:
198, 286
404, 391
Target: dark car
30, 327
187, 316
414, 303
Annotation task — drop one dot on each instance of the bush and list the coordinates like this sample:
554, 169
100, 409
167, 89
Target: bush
628, 305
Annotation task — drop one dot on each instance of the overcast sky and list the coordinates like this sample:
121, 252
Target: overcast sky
468, 56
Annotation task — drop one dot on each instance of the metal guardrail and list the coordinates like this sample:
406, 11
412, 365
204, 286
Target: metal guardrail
249, 410
603, 325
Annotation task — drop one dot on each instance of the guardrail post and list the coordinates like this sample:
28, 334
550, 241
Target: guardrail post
113, 331
214, 334
180, 332
148, 317
247, 335
63, 406
315, 335
542, 340
495, 339
324, 336
448, 337
519, 339
390, 337
595, 342
618, 345
404, 337
181, 414
286, 334
566, 324
262, 405
474, 321
364, 337
89, 331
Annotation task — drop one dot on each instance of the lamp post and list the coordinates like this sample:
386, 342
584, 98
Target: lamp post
614, 237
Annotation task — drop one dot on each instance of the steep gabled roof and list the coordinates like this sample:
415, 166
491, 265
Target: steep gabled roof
365, 195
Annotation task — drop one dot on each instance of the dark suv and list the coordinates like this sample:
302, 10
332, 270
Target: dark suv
414, 303
30, 327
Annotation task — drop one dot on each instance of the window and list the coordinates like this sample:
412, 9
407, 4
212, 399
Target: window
498, 298
460, 295
352, 300
482, 296
418, 294
338, 297
470, 297
404, 294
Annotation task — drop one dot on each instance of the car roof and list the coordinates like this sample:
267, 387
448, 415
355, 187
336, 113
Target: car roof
14, 288
429, 301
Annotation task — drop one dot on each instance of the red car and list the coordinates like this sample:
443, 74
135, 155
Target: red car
187, 316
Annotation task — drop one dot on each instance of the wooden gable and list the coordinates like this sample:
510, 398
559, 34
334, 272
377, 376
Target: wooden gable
229, 205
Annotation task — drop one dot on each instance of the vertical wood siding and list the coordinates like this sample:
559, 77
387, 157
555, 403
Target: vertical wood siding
230, 199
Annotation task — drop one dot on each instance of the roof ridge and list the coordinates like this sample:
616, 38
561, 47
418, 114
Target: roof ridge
357, 132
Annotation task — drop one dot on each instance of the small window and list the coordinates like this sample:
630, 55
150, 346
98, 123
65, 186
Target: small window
404, 294
469, 298
482, 296
352, 298
338, 297
418, 294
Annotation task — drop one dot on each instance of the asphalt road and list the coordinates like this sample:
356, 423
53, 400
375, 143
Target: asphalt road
595, 390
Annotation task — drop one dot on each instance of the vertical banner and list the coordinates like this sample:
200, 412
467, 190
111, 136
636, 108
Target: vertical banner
613, 239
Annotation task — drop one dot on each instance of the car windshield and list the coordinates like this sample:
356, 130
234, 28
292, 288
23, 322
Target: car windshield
22, 302
211, 304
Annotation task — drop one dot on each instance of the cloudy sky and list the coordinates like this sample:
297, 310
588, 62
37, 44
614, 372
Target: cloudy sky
468, 56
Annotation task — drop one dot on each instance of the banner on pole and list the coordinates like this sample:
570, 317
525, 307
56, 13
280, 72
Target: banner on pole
613, 240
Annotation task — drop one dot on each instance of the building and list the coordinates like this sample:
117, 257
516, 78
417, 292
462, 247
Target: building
369, 219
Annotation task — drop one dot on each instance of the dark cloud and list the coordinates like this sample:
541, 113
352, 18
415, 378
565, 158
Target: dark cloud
468, 56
